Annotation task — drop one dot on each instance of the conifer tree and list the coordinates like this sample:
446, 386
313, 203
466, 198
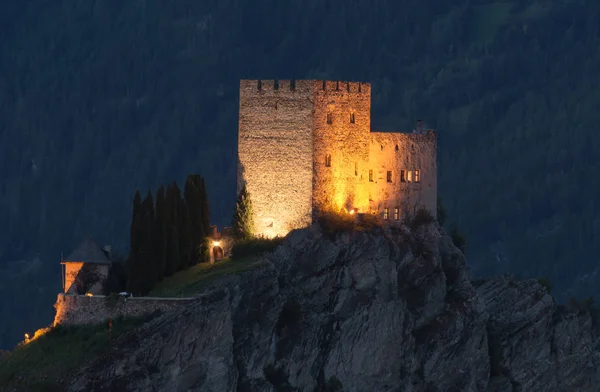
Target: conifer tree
145, 263
134, 241
185, 232
172, 204
242, 222
197, 203
161, 239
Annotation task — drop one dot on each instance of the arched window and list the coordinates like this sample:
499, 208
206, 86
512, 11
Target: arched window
328, 160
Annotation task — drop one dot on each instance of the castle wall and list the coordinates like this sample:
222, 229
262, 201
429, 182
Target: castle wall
73, 269
81, 310
343, 184
397, 152
275, 147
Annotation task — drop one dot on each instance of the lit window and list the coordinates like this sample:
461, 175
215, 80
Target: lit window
386, 214
356, 168
328, 160
352, 118
329, 117
417, 176
397, 213
409, 176
370, 175
402, 176
389, 176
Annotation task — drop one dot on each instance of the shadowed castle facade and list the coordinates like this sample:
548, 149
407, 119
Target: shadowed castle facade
306, 146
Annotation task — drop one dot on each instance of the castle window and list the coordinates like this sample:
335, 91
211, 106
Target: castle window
396, 213
389, 176
260, 84
356, 168
396, 147
337, 86
370, 175
382, 147
276, 85
329, 117
351, 117
324, 84
386, 214
292, 84
348, 86
409, 176
328, 160
417, 176
402, 176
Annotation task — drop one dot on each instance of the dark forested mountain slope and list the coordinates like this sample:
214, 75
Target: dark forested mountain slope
99, 98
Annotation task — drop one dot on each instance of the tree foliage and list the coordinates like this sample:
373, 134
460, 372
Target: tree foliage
242, 222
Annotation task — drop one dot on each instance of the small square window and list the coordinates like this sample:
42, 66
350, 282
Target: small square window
389, 176
329, 118
396, 213
402, 175
370, 175
386, 214
352, 120
328, 160
417, 176
356, 168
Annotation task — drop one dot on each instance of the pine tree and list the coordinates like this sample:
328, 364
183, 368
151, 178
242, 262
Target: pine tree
161, 239
205, 215
242, 222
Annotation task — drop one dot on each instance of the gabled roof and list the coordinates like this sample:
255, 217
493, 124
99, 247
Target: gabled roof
88, 252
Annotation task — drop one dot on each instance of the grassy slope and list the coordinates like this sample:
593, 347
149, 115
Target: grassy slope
191, 281
45, 363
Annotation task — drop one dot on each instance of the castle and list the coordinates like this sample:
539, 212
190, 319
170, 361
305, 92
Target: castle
306, 146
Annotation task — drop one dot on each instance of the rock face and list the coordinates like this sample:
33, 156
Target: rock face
377, 311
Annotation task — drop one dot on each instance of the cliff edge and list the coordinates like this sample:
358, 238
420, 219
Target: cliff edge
361, 311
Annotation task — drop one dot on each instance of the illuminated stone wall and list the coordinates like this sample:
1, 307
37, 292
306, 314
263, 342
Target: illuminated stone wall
72, 269
308, 148
275, 149
342, 123
81, 310
409, 152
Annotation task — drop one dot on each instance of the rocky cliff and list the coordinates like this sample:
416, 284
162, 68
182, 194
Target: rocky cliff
361, 311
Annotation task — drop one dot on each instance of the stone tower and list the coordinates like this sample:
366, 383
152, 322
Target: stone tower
305, 146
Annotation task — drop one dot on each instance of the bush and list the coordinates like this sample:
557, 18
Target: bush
546, 283
422, 217
336, 222
254, 247
458, 239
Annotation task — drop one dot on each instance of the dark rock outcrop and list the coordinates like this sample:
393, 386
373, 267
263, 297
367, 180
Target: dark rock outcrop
376, 311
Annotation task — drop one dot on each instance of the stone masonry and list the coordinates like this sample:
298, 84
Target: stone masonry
306, 146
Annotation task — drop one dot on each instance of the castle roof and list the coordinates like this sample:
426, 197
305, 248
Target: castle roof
88, 252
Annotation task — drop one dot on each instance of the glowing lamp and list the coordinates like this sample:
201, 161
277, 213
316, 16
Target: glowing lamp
26, 336
216, 243
352, 212
89, 294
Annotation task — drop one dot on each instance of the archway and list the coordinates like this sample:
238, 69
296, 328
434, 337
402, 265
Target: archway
217, 253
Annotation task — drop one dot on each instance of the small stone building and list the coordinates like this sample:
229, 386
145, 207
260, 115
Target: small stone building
86, 269
221, 244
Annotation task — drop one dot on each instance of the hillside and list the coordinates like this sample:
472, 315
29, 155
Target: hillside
100, 98
363, 311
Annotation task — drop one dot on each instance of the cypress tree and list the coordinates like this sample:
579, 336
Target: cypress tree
205, 216
185, 232
197, 203
172, 203
242, 222
146, 261
134, 241
161, 239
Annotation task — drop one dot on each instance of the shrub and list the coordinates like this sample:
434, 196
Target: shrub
368, 221
546, 283
254, 246
422, 217
458, 239
336, 222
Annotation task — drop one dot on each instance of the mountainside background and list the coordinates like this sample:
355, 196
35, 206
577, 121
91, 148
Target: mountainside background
102, 97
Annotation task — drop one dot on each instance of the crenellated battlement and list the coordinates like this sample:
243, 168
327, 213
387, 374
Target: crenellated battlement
305, 85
